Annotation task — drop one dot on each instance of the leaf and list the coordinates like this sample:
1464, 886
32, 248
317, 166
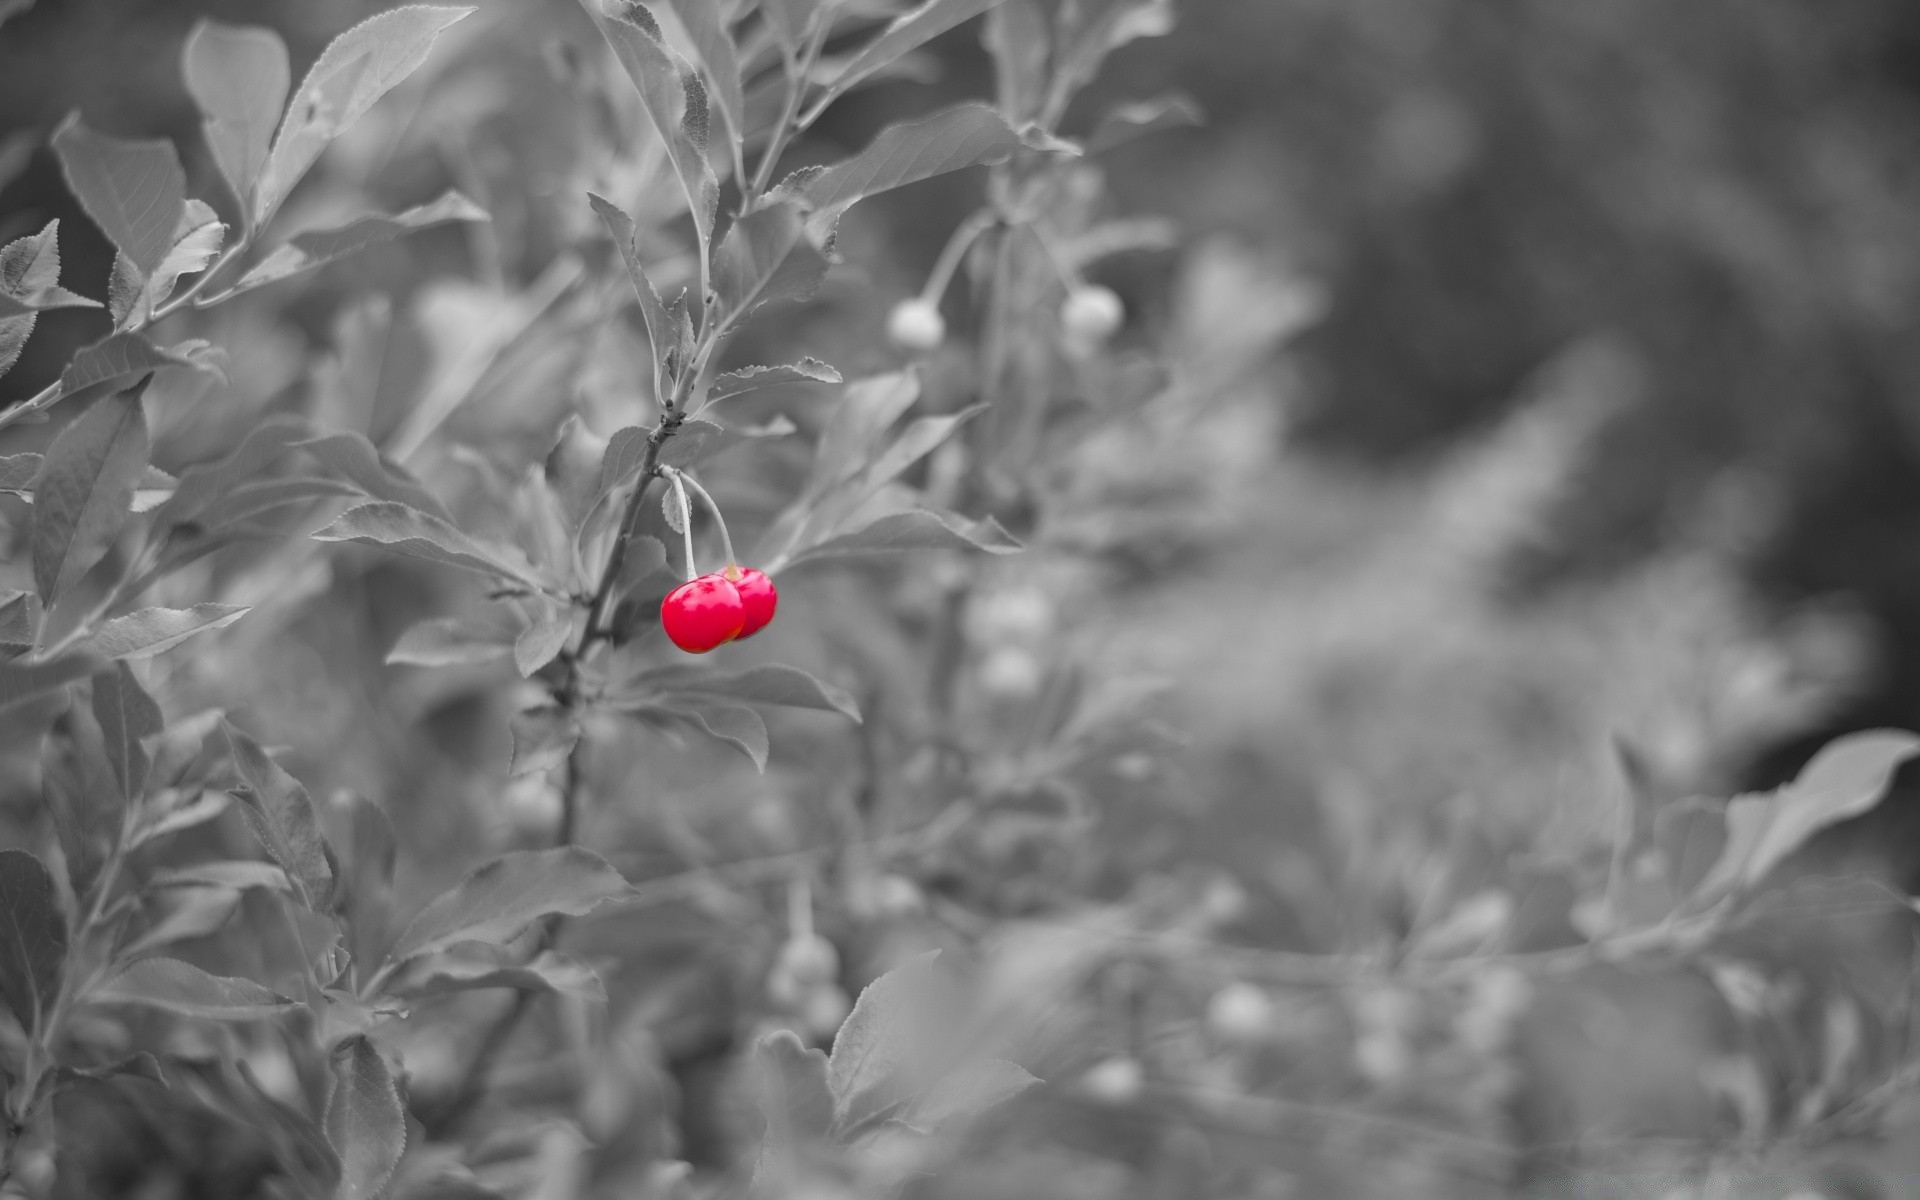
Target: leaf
767, 255
281, 815
706, 24
1846, 778
151, 631
351, 74
542, 738
202, 485
502, 897
921, 438
126, 714
24, 681
966, 1093
787, 686
543, 639
544, 972
19, 622
673, 95
404, 530
967, 136
881, 1037
30, 278
750, 379
141, 1065
865, 411
238, 874
366, 1121
794, 1100
626, 452
196, 242
450, 641
81, 796
133, 189
739, 727
652, 311
908, 31
919, 529
187, 991
84, 490
238, 76
354, 458
17, 473
186, 815
313, 248
700, 440
122, 356
1129, 121
33, 938
190, 913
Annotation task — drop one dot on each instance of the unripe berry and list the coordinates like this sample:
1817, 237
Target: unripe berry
1118, 1080
758, 598
916, 325
810, 959
1240, 1012
898, 896
702, 613
1011, 673
1091, 313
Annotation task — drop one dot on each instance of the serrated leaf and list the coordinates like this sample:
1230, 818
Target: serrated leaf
653, 312
882, 1039
450, 641
767, 255
918, 529
281, 815
313, 248
501, 898
123, 356
626, 452
544, 972
698, 440
405, 530
967, 136
197, 240
750, 379
1846, 778
81, 796
366, 1122
150, 631
84, 490
33, 938
186, 991
706, 24
126, 714
908, 31
772, 684
133, 189
30, 284
967, 1092
19, 622
354, 458
238, 75
673, 95
543, 737
351, 74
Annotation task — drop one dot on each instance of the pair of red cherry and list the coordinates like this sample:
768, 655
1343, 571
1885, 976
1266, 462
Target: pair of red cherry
718, 608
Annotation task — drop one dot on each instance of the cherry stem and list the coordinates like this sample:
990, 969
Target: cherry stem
706, 497
956, 248
686, 520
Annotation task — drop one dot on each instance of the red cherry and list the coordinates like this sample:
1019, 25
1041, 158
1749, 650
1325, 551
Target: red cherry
702, 613
758, 594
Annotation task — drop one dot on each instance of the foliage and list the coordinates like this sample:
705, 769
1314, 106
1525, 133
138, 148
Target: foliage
373, 843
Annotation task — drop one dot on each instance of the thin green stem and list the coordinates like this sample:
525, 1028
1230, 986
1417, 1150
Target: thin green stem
790, 122
964, 235
686, 519
713, 506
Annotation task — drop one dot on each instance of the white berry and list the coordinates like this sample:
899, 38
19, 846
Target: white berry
1092, 313
916, 325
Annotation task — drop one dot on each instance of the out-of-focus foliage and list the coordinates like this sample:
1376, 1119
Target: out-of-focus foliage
1190, 812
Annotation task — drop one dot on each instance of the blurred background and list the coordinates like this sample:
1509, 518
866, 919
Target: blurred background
1568, 409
